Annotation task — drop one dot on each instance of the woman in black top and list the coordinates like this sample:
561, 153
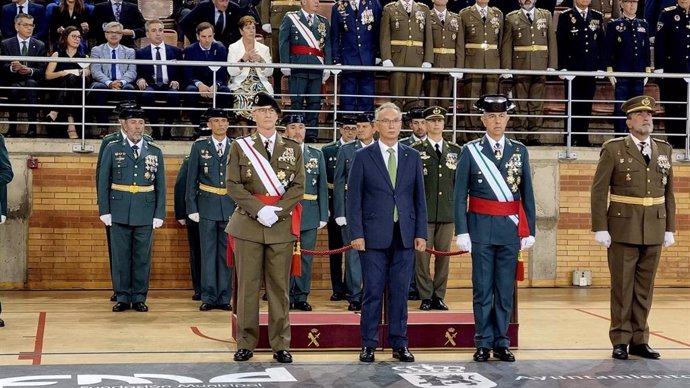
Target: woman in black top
69, 13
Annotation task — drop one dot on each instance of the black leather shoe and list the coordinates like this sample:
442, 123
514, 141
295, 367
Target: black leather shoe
438, 304
121, 306
283, 356
482, 355
205, 307
2, 323
644, 351
140, 307
113, 297
620, 352
403, 354
504, 354
196, 296
355, 306
224, 307
425, 305
243, 355
337, 296
304, 306
367, 354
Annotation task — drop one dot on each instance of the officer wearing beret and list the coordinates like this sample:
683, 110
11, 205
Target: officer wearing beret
633, 216
265, 178
6, 176
347, 127
627, 46
131, 200
415, 121
314, 208
192, 227
439, 162
209, 205
494, 178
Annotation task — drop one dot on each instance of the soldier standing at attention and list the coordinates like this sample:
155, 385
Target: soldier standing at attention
6, 176
265, 178
272, 13
314, 208
439, 162
445, 26
131, 200
191, 226
529, 43
209, 205
406, 40
304, 39
635, 174
348, 131
481, 29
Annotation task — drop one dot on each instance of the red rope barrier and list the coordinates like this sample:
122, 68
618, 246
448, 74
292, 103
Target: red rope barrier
348, 247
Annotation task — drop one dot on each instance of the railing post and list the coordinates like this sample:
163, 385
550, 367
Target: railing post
456, 77
336, 73
214, 69
686, 156
569, 154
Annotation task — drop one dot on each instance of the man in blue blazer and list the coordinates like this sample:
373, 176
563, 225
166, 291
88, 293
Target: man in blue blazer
386, 209
156, 80
126, 13
494, 172
224, 15
10, 11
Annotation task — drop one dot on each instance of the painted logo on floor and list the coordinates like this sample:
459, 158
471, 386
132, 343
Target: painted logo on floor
425, 375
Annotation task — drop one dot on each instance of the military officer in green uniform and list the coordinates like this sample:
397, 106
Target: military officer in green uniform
445, 27
209, 205
406, 40
6, 176
439, 162
265, 178
131, 200
192, 227
347, 126
314, 208
634, 217
415, 121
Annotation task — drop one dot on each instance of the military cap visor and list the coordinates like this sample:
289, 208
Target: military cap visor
416, 113
494, 103
292, 119
367, 117
435, 112
132, 114
347, 119
215, 112
263, 100
638, 104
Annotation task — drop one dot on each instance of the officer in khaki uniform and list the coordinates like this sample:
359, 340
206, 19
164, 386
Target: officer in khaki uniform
529, 43
635, 174
272, 13
439, 162
481, 29
406, 40
445, 26
262, 227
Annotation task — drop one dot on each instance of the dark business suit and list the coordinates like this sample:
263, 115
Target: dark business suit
206, 12
191, 226
389, 255
130, 18
9, 12
194, 74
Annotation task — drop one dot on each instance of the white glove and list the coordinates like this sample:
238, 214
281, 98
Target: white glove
194, 217
562, 76
600, 74
377, 61
659, 71
457, 75
267, 215
267, 28
107, 219
651, 39
550, 69
668, 239
613, 81
326, 76
463, 242
157, 223
341, 221
286, 71
603, 238
526, 242
426, 65
182, 222
322, 224
2, 219
506, 76
387, 63
644, 82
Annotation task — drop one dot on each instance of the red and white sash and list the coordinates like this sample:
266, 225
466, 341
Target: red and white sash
306, 32
263, 168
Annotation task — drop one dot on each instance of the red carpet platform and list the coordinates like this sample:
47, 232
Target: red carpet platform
335, 331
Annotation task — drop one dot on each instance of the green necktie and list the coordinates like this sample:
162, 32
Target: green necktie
25, 49
393, 174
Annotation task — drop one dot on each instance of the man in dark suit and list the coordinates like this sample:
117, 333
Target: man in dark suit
120, 11
6, 176
192, 228
222, 14
23, 77
387, 216
199, 79
495, 172
10, 12
160, 82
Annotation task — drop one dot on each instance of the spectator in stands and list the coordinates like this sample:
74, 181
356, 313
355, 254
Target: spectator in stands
200, 82
117, 77
23, 77
125, 13
181, 8
222, 14
10, 11
160, 82
68, 77
247, 81
69, 13
652, 9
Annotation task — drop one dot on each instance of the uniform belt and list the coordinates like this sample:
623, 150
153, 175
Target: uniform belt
310, 197
285, 2
331, 186
534, 47
214, 190
483, 46
305, 50
132, 188
644, 201
408, 43
444, 51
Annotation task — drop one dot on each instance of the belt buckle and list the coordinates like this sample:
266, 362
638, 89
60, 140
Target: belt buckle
133, 189
410, 43
485, 46
534, 48
647, 201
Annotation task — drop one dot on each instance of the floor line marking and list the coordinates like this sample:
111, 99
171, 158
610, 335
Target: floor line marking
35, 356
198, 332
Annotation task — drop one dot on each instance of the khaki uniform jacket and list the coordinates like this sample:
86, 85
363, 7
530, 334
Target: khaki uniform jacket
243, 182
537, 38
473, 32
623, 171
398, 29
439, 179
272, 12
445, 37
